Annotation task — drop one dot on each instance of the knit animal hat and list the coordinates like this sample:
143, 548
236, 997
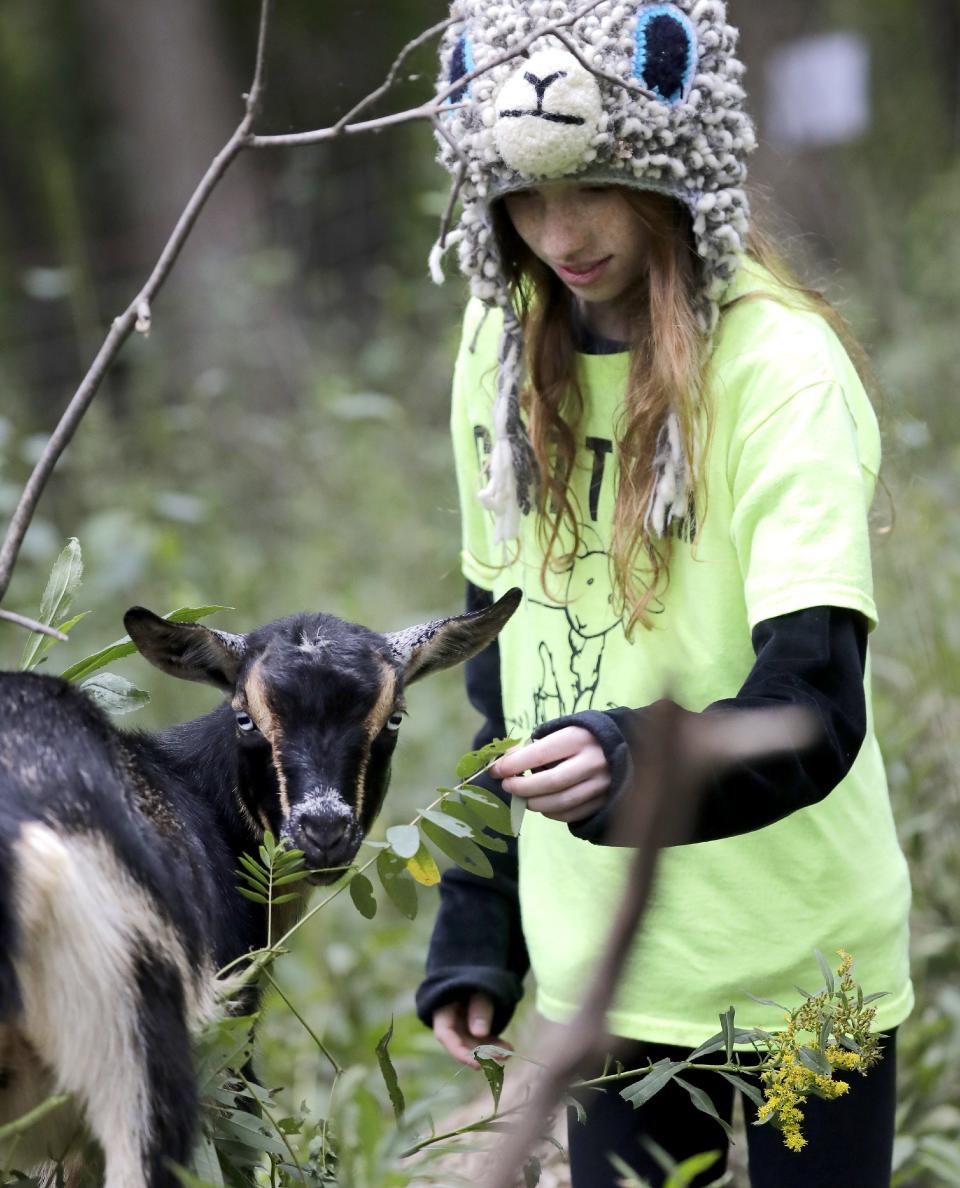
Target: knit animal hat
646, 95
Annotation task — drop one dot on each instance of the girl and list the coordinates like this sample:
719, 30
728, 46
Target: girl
667, 444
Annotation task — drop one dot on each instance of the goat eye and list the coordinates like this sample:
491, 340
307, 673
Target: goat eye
246, 724
393, 722
666, 51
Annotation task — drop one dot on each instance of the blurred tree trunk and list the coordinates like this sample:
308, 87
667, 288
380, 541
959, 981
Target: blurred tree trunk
172, 98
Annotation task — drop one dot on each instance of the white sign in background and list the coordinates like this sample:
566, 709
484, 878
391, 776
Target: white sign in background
818, 91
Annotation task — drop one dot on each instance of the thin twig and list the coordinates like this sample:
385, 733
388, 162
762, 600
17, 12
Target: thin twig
519, 48
451, 205
276, 1126
335, 1065
427, 111
33, 625
254, 96
624, 84
391, 78
445, 135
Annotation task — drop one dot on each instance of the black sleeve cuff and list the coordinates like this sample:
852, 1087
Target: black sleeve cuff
456, 983
610, 730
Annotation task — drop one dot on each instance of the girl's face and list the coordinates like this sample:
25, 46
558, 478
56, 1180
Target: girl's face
590, 236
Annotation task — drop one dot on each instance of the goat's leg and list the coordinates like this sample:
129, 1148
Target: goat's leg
171, 1088
101, 1008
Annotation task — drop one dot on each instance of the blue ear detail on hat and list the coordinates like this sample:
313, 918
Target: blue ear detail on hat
666, 51
461, 63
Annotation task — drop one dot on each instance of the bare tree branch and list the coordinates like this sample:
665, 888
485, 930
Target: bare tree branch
391, 78
437, 105
33, 625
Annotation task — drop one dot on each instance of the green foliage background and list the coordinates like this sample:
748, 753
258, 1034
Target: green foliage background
280, 440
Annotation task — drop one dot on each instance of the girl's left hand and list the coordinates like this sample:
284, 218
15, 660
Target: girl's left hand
569, 778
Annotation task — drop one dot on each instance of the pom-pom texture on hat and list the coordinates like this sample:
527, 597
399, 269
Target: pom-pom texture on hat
672, 122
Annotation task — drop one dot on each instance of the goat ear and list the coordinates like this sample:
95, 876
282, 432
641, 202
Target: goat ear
186, 650
445, 642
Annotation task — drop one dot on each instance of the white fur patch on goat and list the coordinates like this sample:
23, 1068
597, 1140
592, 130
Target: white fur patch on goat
83, 922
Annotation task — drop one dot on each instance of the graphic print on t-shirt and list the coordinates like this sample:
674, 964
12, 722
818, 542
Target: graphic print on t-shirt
568, 683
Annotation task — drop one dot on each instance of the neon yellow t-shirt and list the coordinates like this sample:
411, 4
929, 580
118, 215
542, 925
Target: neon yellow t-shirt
789, 474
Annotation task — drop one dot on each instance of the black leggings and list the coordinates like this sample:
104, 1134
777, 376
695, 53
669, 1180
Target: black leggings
850, 1140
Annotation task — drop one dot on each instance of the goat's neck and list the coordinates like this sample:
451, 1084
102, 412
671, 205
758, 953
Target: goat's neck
204, 753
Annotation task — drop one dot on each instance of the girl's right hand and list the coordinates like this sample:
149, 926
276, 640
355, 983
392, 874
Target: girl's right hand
462, 1026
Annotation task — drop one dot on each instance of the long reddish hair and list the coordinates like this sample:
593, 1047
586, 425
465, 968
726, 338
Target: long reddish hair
668, 359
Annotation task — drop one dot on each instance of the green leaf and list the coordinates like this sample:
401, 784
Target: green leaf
867, 998
768, 1002
683, 1175
461, 850
225, 1043
488, 807
114, 694
246, 1136
361, 892
389, 1073
45, 642
744, 1086
451, 824
278, 899
518, 806
404, 840
465, 813
704, 1103
824, 1036
296, 876
493, 1071
253, 870
475, 761
204, 1166
63, 583
827, 972
497, 844
397, 883
726, 1024
715, 1043
531, 1172
659, 1075
253, 896
423, 868
126, 647
810, 1058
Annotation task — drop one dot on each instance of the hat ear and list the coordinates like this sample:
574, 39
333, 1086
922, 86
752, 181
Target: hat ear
187, 650
442, 643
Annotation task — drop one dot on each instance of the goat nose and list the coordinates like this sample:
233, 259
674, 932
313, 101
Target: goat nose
324, 833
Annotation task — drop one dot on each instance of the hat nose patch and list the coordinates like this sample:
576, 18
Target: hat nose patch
547, 115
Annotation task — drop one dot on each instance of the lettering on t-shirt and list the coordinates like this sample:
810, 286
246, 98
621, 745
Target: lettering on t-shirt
599, 447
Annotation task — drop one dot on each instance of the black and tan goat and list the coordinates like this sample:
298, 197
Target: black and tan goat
118, 856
